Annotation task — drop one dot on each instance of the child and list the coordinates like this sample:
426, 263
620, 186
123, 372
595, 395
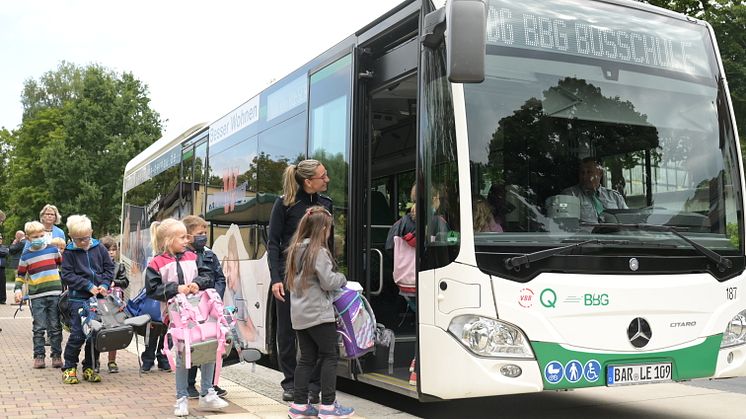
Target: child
87, 270
120, 281
311, 280
59, 244
174, 271
157, 334
197, 233
38, 267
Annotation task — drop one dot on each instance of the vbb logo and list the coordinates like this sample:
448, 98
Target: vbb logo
526, 297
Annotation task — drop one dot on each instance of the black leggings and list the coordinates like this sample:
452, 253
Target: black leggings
317, 344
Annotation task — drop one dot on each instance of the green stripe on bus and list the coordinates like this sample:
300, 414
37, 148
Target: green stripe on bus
693, 362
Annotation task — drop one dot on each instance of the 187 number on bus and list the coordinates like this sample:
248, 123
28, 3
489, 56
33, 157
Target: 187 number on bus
730, 293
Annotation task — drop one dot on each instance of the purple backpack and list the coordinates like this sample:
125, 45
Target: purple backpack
356, 323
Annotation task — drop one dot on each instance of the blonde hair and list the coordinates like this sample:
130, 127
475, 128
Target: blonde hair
58, 242
163, 233
78, 224
314, 226
33, 227
58, 216
293, 178
192, 222
413, 198
482, 214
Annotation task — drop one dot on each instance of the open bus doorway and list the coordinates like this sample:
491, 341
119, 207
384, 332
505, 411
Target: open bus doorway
391, 159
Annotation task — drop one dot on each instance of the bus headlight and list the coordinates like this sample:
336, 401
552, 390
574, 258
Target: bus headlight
490, 337
735, 332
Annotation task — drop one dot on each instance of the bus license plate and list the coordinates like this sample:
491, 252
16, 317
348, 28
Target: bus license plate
618, 375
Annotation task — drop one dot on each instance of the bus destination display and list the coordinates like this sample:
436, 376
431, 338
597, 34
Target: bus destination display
576, 29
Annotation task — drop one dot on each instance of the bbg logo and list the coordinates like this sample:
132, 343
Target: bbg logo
596, 299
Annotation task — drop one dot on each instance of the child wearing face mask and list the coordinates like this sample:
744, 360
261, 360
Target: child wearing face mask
38, 266
197, 234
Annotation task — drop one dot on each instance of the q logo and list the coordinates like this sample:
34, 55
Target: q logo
548, 298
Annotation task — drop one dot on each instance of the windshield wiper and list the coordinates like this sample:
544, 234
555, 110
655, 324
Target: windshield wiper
516, 261
722, 263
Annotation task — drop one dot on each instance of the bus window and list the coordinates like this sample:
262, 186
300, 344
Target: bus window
231, 185
187, 182
441, 203
279, 146
329, 130
200, 167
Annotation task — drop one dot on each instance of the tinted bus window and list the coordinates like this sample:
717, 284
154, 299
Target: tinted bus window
279, 146
329, 136
231, 189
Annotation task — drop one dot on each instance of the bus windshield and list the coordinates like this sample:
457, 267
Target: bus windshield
594, 114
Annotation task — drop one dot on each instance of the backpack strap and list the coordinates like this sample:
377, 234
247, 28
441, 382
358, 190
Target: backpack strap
221, 325
189, 319
182, 319
357, 297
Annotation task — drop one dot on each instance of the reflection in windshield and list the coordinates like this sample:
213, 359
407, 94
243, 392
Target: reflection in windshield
557, 145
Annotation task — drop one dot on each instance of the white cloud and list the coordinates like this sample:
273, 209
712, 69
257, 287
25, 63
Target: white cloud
200, 59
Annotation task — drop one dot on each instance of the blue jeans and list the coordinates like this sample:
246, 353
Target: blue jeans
77, 339
182, 379
193, 375
46, 318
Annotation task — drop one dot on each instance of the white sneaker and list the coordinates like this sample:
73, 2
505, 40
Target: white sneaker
181, 408
211, 401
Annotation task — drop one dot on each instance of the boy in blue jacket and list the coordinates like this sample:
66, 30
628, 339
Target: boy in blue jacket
87, 270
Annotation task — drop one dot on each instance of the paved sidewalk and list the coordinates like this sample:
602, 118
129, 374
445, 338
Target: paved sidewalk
30, 393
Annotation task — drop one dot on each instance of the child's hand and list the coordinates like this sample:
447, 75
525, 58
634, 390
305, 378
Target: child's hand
193, 288
184, 289
102, 291
19, 297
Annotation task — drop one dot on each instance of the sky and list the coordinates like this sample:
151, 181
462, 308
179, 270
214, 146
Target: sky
199, 59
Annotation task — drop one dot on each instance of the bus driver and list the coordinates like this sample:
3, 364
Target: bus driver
594, 198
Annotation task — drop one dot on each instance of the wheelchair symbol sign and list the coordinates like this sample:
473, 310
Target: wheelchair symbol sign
591, 371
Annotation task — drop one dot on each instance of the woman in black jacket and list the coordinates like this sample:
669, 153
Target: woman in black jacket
302, 185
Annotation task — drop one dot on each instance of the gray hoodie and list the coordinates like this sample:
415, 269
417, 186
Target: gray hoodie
314, 305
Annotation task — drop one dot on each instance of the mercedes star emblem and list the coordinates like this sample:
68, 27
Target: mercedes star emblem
639, 332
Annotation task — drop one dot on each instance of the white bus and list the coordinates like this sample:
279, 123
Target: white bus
531, 274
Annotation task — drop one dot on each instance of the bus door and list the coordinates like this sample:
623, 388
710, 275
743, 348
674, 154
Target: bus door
384, 154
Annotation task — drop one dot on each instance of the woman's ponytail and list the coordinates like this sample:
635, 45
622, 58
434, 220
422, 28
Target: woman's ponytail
289, 185
294, 176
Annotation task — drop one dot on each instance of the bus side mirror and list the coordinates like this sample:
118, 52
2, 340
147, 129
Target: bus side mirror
463, 26
466, 38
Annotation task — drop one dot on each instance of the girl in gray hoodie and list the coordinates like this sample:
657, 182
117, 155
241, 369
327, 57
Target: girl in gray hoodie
312, 278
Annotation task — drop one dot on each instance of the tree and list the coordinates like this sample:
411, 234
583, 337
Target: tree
728, 20
80, 127
5, 140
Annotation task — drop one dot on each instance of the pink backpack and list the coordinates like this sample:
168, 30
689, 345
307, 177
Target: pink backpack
197, 330
404, 266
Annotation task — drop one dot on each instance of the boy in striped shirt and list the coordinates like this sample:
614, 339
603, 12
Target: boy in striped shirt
39, 268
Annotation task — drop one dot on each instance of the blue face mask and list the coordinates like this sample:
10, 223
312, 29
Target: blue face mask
36, 243
200, 242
